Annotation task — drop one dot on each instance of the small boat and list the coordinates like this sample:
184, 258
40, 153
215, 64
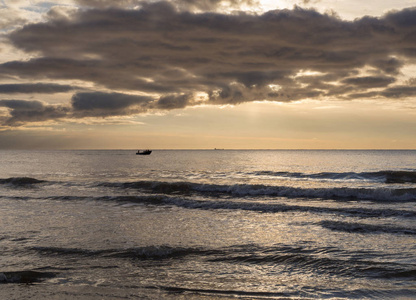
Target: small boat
143, 152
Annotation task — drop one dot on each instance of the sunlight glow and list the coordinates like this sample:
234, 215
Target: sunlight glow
306, 72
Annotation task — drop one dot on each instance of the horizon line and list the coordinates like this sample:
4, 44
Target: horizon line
212, 149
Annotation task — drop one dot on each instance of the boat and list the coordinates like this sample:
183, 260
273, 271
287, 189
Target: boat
143, 152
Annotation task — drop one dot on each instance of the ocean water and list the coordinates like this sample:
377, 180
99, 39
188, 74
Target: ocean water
208, 225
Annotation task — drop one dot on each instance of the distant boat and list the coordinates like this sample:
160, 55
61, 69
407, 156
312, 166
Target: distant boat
218, 149
143, 152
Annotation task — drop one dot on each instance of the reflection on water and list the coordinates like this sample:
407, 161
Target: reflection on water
208, 224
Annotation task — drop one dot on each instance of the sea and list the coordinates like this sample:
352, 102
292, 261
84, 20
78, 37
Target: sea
208, 224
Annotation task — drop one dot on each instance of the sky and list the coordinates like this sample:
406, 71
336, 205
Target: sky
188, 74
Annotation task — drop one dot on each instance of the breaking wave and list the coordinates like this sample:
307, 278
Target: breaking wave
389, 193
253, 190
365, 228
262, 207
24, 276
386, 176
20, 181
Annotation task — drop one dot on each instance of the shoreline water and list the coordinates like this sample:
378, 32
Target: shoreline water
208, 224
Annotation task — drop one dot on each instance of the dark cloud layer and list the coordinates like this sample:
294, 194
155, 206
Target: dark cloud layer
204, 5
161, 49
22, 111
34, 88
103, 104
369, 81
93, 104
172, 102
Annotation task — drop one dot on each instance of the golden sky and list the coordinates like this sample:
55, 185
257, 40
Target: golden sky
240, 74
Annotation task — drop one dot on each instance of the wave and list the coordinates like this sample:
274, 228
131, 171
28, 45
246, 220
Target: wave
326, 265
281, 208
187, 203
398, 176
365, 228
386, 176
375, 194
234, 293
326, 293
253, 190
21, 181
140, 253
24, 276
320, 260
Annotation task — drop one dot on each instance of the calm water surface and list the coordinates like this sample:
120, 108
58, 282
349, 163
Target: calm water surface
208, 225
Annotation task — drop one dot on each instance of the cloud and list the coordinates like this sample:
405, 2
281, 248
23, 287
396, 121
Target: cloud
399, 92
173, 102
99, 104
108, 3
15, 13
24, 111
22, 104
369, 81
211, 5
83, 105
34, 88
402, 19
10, 18
389, 66
87, 105
187, 5
171, 53
395, 92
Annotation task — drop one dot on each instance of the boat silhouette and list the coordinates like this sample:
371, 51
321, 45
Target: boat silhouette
143, 152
